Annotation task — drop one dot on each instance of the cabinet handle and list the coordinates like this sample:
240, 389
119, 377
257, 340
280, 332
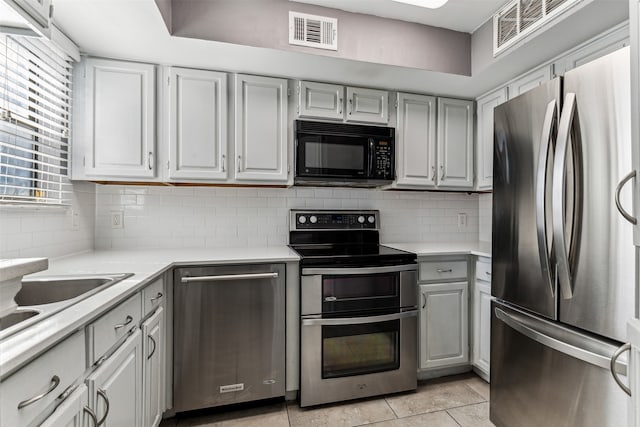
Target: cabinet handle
433, 171
157, 297
487, 273
440, 270
442, 174
128, 320
340, 105
103, 394
239, 161
424, 299
350, 105
154, 347
612, 367
224, 163
623, 212
55, 380
92, 415
150, 160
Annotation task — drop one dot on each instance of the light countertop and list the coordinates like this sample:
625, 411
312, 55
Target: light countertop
445, 248
12, 268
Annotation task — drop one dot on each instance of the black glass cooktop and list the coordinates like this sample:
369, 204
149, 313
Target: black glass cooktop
352, 255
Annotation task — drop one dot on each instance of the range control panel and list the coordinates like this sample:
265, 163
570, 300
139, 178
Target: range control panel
333, 220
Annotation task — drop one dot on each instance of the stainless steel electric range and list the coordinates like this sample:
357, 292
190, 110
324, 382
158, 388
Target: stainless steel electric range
358, 309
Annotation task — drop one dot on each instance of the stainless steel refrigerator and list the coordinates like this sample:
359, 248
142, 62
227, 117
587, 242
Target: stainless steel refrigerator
563, 255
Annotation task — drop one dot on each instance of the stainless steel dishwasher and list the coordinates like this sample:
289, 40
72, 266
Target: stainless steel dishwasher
229, 335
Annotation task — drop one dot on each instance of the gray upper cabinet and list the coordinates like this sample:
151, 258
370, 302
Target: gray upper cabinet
261, 129
197, 125
326, 102
119, 119
367, 105
320, 100
416, 141
455, 143
484, 138
529, 81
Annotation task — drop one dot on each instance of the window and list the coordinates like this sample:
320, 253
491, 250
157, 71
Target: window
35, 119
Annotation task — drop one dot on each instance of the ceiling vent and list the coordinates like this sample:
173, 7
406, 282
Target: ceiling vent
313, 31
518, 18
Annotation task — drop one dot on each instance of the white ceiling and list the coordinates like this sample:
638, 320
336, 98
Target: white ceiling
459, 15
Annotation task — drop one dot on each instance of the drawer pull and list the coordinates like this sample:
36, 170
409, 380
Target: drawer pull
55, 380
154, 347
487, 273
92, 414
122, 325
157, 297
448, 270
103, 394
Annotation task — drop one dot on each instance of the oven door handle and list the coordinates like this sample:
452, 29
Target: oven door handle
359, 320
358, 270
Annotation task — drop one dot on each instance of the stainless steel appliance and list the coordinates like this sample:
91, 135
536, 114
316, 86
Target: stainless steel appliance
343, 154
358, 308
563, 256
229, 335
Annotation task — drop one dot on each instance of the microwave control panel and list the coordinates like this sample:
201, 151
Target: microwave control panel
383, 167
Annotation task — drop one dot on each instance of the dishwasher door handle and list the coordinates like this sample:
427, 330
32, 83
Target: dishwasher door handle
229, 277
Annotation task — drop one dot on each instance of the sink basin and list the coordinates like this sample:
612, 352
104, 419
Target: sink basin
43, 296
47, 290
16, 317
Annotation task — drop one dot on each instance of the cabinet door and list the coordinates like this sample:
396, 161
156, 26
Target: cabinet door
117, 384
367, 105
634, 17
416, 140
320, 100
484, 138
261, 129
153, 371
595, 49
444, 325
73, 411
482, 326
120, 114
455, 143
529, 81
197, 125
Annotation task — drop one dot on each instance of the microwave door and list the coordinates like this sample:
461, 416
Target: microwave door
333, 156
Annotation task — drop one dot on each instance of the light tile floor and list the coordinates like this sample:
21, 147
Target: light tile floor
457, 401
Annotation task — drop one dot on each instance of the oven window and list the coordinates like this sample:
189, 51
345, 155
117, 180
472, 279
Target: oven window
360, 349
360, 292
326, 155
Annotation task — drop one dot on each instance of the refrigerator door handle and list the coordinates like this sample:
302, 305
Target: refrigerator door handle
612, 368
622, 211
600, 360
541, 188
557, 200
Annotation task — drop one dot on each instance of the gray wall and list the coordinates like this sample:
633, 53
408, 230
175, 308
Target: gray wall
164, 6
265, 23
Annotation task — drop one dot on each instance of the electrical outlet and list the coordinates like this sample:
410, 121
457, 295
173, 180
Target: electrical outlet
117, 219
462, 220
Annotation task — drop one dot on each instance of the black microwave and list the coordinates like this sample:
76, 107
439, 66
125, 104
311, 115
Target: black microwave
343, 154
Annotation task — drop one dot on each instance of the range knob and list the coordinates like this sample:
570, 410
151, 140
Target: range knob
313, 219
302, 219
361, 219
371, 219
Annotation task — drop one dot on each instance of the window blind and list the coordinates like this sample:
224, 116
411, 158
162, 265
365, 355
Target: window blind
35, 120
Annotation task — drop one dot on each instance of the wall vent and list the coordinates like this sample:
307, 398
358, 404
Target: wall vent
518, 18
313, 31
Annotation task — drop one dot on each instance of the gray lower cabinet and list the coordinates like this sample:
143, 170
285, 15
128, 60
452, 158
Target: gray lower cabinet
115, 388
444, 325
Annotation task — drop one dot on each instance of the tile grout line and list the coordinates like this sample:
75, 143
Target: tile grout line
392, 410
452, 417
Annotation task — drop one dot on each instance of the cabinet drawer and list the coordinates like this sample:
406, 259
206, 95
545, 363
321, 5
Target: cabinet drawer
443, 270
483, 271
110, 328
47, 376
153, 296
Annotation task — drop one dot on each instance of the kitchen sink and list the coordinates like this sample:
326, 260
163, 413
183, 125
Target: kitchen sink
43, 296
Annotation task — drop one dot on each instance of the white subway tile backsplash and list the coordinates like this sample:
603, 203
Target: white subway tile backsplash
169, 217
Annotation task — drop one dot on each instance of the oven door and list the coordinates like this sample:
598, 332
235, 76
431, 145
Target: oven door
334, 156
335, 291
352, 357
